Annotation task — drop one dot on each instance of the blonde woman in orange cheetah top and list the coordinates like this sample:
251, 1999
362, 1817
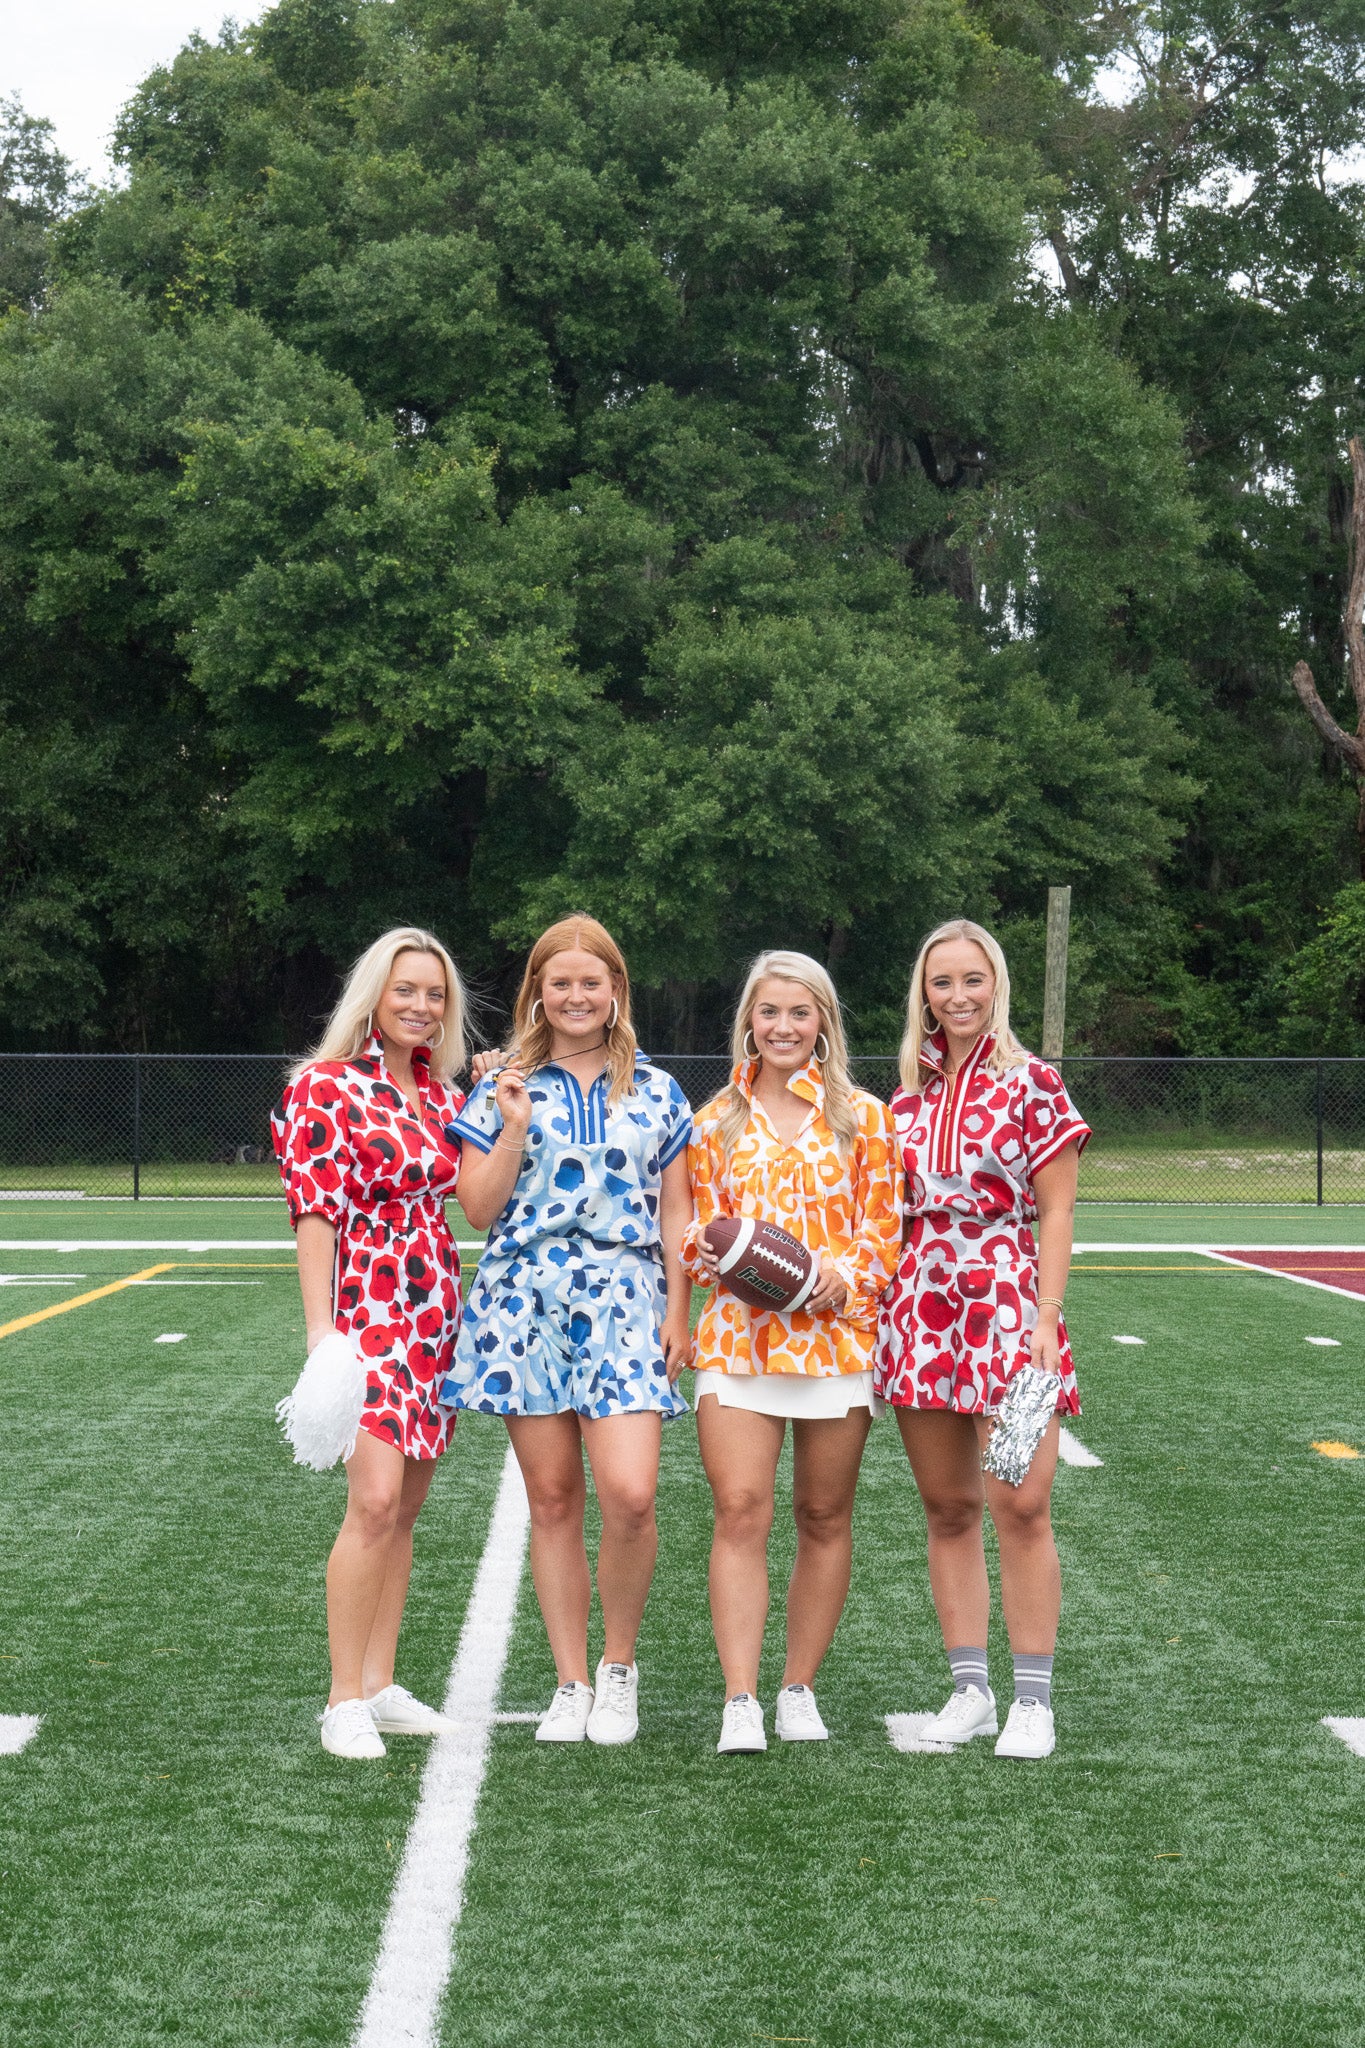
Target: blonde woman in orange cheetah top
793, 1142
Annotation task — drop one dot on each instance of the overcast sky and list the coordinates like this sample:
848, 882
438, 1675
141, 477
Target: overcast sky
75, 62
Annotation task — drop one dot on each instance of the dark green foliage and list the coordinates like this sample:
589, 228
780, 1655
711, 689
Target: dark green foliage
620, 453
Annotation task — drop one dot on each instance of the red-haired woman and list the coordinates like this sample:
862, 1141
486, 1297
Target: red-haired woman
990, 1143
576, 1328
361, 1137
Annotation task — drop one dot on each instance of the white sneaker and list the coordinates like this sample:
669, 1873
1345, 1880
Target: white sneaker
741, 1728
348, 1730
798, 1718
566, 1717
396, 1712
963, 1715
615, 1716
1029, 1731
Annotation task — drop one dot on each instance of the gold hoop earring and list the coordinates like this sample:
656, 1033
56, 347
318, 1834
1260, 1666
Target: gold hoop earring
369, 1025
437, 1043
531, 1020
615, 1014
749, 1042
823, 1057
928, 1022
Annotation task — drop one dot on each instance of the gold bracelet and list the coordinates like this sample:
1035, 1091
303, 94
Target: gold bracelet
1049, 1301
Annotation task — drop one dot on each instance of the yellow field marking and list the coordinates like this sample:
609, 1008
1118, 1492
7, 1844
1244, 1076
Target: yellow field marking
60, 1308
1331, 1449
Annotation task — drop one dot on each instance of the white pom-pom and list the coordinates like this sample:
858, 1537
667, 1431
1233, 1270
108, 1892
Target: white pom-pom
320, 1418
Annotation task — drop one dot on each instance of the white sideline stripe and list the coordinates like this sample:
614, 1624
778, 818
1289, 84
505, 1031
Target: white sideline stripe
1351, 1730
402, 2008
17, 1731
1130, 1340
196, 1283
1072, 1451
146, 1244
907, 1734
534, 1719
1299, 1279
237, 1244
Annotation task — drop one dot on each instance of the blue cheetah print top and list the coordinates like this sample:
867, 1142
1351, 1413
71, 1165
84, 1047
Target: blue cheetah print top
587, 1171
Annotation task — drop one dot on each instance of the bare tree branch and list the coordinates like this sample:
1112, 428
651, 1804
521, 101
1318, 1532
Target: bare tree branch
1354, 609
1351, 750
1349, 746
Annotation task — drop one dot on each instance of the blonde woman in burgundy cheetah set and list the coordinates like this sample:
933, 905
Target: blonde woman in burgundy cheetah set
990, 1142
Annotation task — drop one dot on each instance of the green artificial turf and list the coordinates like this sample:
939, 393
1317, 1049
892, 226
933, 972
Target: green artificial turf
181, 1863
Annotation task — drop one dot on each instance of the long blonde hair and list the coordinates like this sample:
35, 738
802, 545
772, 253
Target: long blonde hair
800, 968
352, 1021
919, 1024
578, 933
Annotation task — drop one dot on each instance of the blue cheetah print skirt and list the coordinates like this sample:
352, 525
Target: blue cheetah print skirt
566, 1327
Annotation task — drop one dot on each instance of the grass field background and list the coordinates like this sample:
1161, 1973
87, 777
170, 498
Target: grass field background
179, 1861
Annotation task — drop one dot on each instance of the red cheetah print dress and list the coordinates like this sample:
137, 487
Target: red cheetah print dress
352, 1149
956, 1322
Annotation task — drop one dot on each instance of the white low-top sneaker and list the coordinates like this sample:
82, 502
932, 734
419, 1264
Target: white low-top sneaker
615, 1714
396, 1712
962, 1716
798, 1718
741, 1727
1029, 1731
566, 1717
348, 1730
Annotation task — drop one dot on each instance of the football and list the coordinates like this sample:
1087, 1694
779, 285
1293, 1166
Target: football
761, 1263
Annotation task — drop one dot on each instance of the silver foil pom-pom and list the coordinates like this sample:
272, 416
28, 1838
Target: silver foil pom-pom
1029, 1405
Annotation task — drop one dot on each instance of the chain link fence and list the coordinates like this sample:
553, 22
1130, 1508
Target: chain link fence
197, 1125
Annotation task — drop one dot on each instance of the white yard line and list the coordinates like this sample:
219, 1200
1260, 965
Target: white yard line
1350, 1729
17, 1731
198, 1283
403, 2006
1072, 1451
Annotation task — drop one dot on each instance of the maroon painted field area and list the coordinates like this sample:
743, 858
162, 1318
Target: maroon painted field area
1345, 1270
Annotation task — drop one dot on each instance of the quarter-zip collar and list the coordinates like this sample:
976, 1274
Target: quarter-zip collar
953, 1096
587, 1111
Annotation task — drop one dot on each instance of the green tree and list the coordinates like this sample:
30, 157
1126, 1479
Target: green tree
37, 187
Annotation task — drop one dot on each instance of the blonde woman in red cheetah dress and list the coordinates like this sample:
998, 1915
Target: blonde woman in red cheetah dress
363, 1138
990, 1143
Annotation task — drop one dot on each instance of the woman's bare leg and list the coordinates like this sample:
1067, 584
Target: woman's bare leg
945, 1458
1030, 1574
828, 1454
381, 1648
359, 1563
549, 1451
739, 1451
623, 1451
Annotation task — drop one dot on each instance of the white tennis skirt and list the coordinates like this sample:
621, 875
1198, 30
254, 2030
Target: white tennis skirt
804, 1397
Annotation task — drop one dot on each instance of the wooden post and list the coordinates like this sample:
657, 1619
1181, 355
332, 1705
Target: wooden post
1054, 987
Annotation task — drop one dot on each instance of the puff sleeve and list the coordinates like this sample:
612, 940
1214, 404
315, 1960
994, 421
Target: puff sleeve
312, 1140
870, 1263
706, 1165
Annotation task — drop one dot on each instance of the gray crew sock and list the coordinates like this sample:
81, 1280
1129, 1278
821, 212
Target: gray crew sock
1033, 1679
969, 1668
